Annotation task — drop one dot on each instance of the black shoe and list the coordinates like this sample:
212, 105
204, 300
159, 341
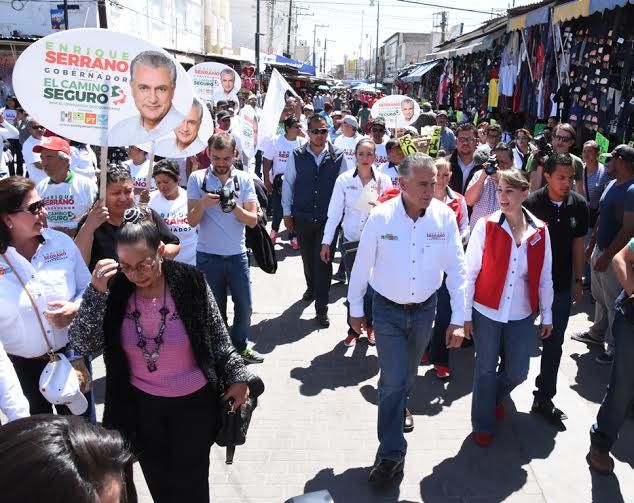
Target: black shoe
308, 296
323, 320
385, 470
550, 413
408, 426
339, 277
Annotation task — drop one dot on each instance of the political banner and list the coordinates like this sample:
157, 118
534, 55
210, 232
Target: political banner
248, 128
189, 138
398, 111
215, 82
102, 87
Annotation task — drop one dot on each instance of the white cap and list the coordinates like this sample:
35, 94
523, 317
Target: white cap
60, 386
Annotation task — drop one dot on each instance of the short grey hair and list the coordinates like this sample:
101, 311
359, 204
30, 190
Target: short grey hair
63, 155
199, 108
408, 100
592, 144
415, 161
229, 71
154, 59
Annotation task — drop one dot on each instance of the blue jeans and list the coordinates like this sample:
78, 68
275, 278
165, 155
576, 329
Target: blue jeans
620, 392
438, 352
401, 338
546, 382
490, 388
231, 271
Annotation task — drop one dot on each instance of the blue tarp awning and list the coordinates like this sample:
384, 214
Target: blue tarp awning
276, 59
418, 72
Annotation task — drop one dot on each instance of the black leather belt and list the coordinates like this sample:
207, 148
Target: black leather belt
410, 306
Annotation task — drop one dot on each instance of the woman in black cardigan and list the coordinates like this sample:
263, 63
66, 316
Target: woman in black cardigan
163, 341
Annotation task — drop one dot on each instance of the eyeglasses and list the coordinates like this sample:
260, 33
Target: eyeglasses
322, 130
523, 138
33, 208
464, 139
144, 266
562, 138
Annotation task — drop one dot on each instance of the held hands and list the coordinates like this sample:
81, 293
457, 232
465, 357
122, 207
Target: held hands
61, 313
454, 336
239, 392
358, 324
545, 331
104, 270
324, 255
289, 223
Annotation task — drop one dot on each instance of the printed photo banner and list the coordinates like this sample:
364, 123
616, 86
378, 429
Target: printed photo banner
248, 130
189, 138
215, 82
102, 87
397, 110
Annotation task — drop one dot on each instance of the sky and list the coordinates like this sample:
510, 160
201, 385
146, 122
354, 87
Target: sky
345, 19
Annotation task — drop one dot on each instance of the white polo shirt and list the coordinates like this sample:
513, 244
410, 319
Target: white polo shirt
343, 202
68, 201
57, 272
13, 403
405, 260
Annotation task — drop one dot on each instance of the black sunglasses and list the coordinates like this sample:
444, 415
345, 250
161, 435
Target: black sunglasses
322, 130
33, 208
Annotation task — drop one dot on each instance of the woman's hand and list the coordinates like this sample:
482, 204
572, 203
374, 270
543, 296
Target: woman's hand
239, 392
104, 270
97, 215
61, 313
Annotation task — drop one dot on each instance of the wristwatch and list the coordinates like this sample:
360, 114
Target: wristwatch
578, 280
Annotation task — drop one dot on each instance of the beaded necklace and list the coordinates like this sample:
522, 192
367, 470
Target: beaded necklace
142, 342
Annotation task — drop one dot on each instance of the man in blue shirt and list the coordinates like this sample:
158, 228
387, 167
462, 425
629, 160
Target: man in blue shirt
612, 231
447, 138
221, 252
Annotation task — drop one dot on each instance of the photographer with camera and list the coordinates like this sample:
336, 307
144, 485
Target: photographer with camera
222, 201
563, 140
480, 192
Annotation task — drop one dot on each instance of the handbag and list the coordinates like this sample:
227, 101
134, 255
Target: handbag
84, 377
234, 424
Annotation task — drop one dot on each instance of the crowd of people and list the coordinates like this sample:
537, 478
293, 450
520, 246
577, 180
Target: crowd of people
468, 241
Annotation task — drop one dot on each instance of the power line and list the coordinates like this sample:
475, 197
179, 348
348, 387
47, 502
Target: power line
446, 7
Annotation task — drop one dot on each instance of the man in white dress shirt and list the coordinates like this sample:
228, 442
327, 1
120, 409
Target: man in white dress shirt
153, 84
420, 234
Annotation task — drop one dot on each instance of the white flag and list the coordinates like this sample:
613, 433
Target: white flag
272, 109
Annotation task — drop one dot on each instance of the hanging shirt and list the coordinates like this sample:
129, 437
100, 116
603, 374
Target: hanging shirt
68, 201
493, 93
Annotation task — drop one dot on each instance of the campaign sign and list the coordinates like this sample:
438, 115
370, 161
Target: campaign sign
397, 110
248, 130
189, 138
215, 82
102, 87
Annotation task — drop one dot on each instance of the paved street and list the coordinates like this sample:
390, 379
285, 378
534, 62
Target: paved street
316, 424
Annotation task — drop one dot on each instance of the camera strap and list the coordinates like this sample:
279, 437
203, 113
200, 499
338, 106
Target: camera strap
236, 183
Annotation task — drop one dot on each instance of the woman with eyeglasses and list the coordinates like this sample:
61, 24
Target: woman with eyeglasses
42, 279
522, 149
164, 343
97, 230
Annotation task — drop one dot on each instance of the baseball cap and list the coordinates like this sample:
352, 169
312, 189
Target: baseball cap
336, 112
60, 386
378, 121
308, 106
351, 121
441, 112
222, 115
53, 143
251, 97
622, 151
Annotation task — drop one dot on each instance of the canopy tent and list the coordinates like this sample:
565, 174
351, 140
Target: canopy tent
417, 73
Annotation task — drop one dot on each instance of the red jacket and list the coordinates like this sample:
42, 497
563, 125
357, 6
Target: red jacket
495, 263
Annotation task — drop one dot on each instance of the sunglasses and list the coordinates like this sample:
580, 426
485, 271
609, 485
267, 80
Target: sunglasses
322, 130
33, 208
562, 138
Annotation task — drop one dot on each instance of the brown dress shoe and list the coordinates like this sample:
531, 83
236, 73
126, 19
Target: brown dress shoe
600, 461
409, 422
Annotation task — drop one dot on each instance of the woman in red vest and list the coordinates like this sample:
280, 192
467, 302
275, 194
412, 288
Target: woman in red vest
437, 353
508, 281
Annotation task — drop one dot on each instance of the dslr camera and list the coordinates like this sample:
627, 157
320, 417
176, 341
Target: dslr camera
544, 147
491, 166
227, 198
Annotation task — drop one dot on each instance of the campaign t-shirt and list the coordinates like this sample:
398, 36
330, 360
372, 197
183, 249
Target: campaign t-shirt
174, 214
391, 170
139, 177
68, 201
348, 144
9, 115
278, 151
381, 154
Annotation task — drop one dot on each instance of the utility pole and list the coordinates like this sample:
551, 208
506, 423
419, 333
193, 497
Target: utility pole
376, 69
326, 51
290, 24
315, 42
356, 67
66, 8
257, 44
443, 26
